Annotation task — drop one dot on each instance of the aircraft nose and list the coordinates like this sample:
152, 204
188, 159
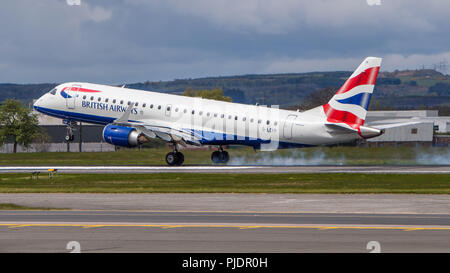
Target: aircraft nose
37, 103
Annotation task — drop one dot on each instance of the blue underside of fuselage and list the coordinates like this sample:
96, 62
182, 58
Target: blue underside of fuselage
207, 137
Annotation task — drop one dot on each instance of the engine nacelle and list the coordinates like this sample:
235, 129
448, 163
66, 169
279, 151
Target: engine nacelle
121, 136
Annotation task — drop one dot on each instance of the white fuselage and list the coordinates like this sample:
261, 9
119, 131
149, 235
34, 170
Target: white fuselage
217, 122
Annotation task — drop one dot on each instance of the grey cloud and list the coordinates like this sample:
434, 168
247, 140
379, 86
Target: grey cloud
120, 41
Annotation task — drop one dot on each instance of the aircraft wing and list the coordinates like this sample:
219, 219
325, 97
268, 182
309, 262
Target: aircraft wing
169, 134
156, 129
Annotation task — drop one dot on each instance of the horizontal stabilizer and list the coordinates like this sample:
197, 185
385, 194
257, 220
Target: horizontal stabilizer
363, 131
342, 127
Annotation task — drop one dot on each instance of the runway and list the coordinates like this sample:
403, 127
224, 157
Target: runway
134, 231
238, 202
420, 169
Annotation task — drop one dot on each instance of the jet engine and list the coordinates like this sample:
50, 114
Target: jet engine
122, 136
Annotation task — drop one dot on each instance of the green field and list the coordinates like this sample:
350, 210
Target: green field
233, 183
243, 156
227, 183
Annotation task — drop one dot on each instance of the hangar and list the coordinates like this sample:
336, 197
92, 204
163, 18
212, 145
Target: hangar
412, 127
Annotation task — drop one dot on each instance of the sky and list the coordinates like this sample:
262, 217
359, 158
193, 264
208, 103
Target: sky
125, 41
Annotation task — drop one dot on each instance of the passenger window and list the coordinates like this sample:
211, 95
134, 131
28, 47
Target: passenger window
136, 104
129, 102
114, 100
193, 111
92, 98
168, 108
84, 97
106, 100
268, 122
143, 105
159, 107
176, 109
99, 99
121, 102
151, 105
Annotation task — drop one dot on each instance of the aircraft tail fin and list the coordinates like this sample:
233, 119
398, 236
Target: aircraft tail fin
349, 105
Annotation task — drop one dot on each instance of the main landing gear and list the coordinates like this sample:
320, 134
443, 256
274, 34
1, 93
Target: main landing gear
220, 156
175, 158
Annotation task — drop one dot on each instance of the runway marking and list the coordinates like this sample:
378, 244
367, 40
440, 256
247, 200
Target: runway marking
169, 226
219, 213
390, 214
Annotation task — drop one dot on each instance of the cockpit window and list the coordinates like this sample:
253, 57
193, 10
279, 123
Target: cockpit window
53, 91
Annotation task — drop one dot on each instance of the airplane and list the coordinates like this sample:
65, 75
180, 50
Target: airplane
133, 117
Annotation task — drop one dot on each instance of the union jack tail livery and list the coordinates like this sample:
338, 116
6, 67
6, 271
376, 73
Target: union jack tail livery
349, 105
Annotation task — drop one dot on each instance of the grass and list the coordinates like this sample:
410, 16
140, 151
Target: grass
228, 183
241, 155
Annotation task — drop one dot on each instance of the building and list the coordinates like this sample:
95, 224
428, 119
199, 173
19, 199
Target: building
414, 127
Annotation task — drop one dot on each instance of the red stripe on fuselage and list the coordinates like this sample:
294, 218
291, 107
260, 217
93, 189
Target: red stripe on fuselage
337, 116
77, 89
368, 76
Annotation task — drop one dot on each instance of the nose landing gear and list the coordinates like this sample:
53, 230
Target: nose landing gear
70, 135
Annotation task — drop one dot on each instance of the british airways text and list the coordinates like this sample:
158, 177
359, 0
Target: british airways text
107, 107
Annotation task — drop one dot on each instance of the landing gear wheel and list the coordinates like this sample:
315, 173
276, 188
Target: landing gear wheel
215, 157
225, 157
69, 138
220, 157
174, 158
180, 158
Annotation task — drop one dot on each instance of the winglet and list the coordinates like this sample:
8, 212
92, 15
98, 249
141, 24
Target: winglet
124, 118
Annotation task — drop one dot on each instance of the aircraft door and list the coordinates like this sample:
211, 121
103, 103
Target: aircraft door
71, 94
287, 127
